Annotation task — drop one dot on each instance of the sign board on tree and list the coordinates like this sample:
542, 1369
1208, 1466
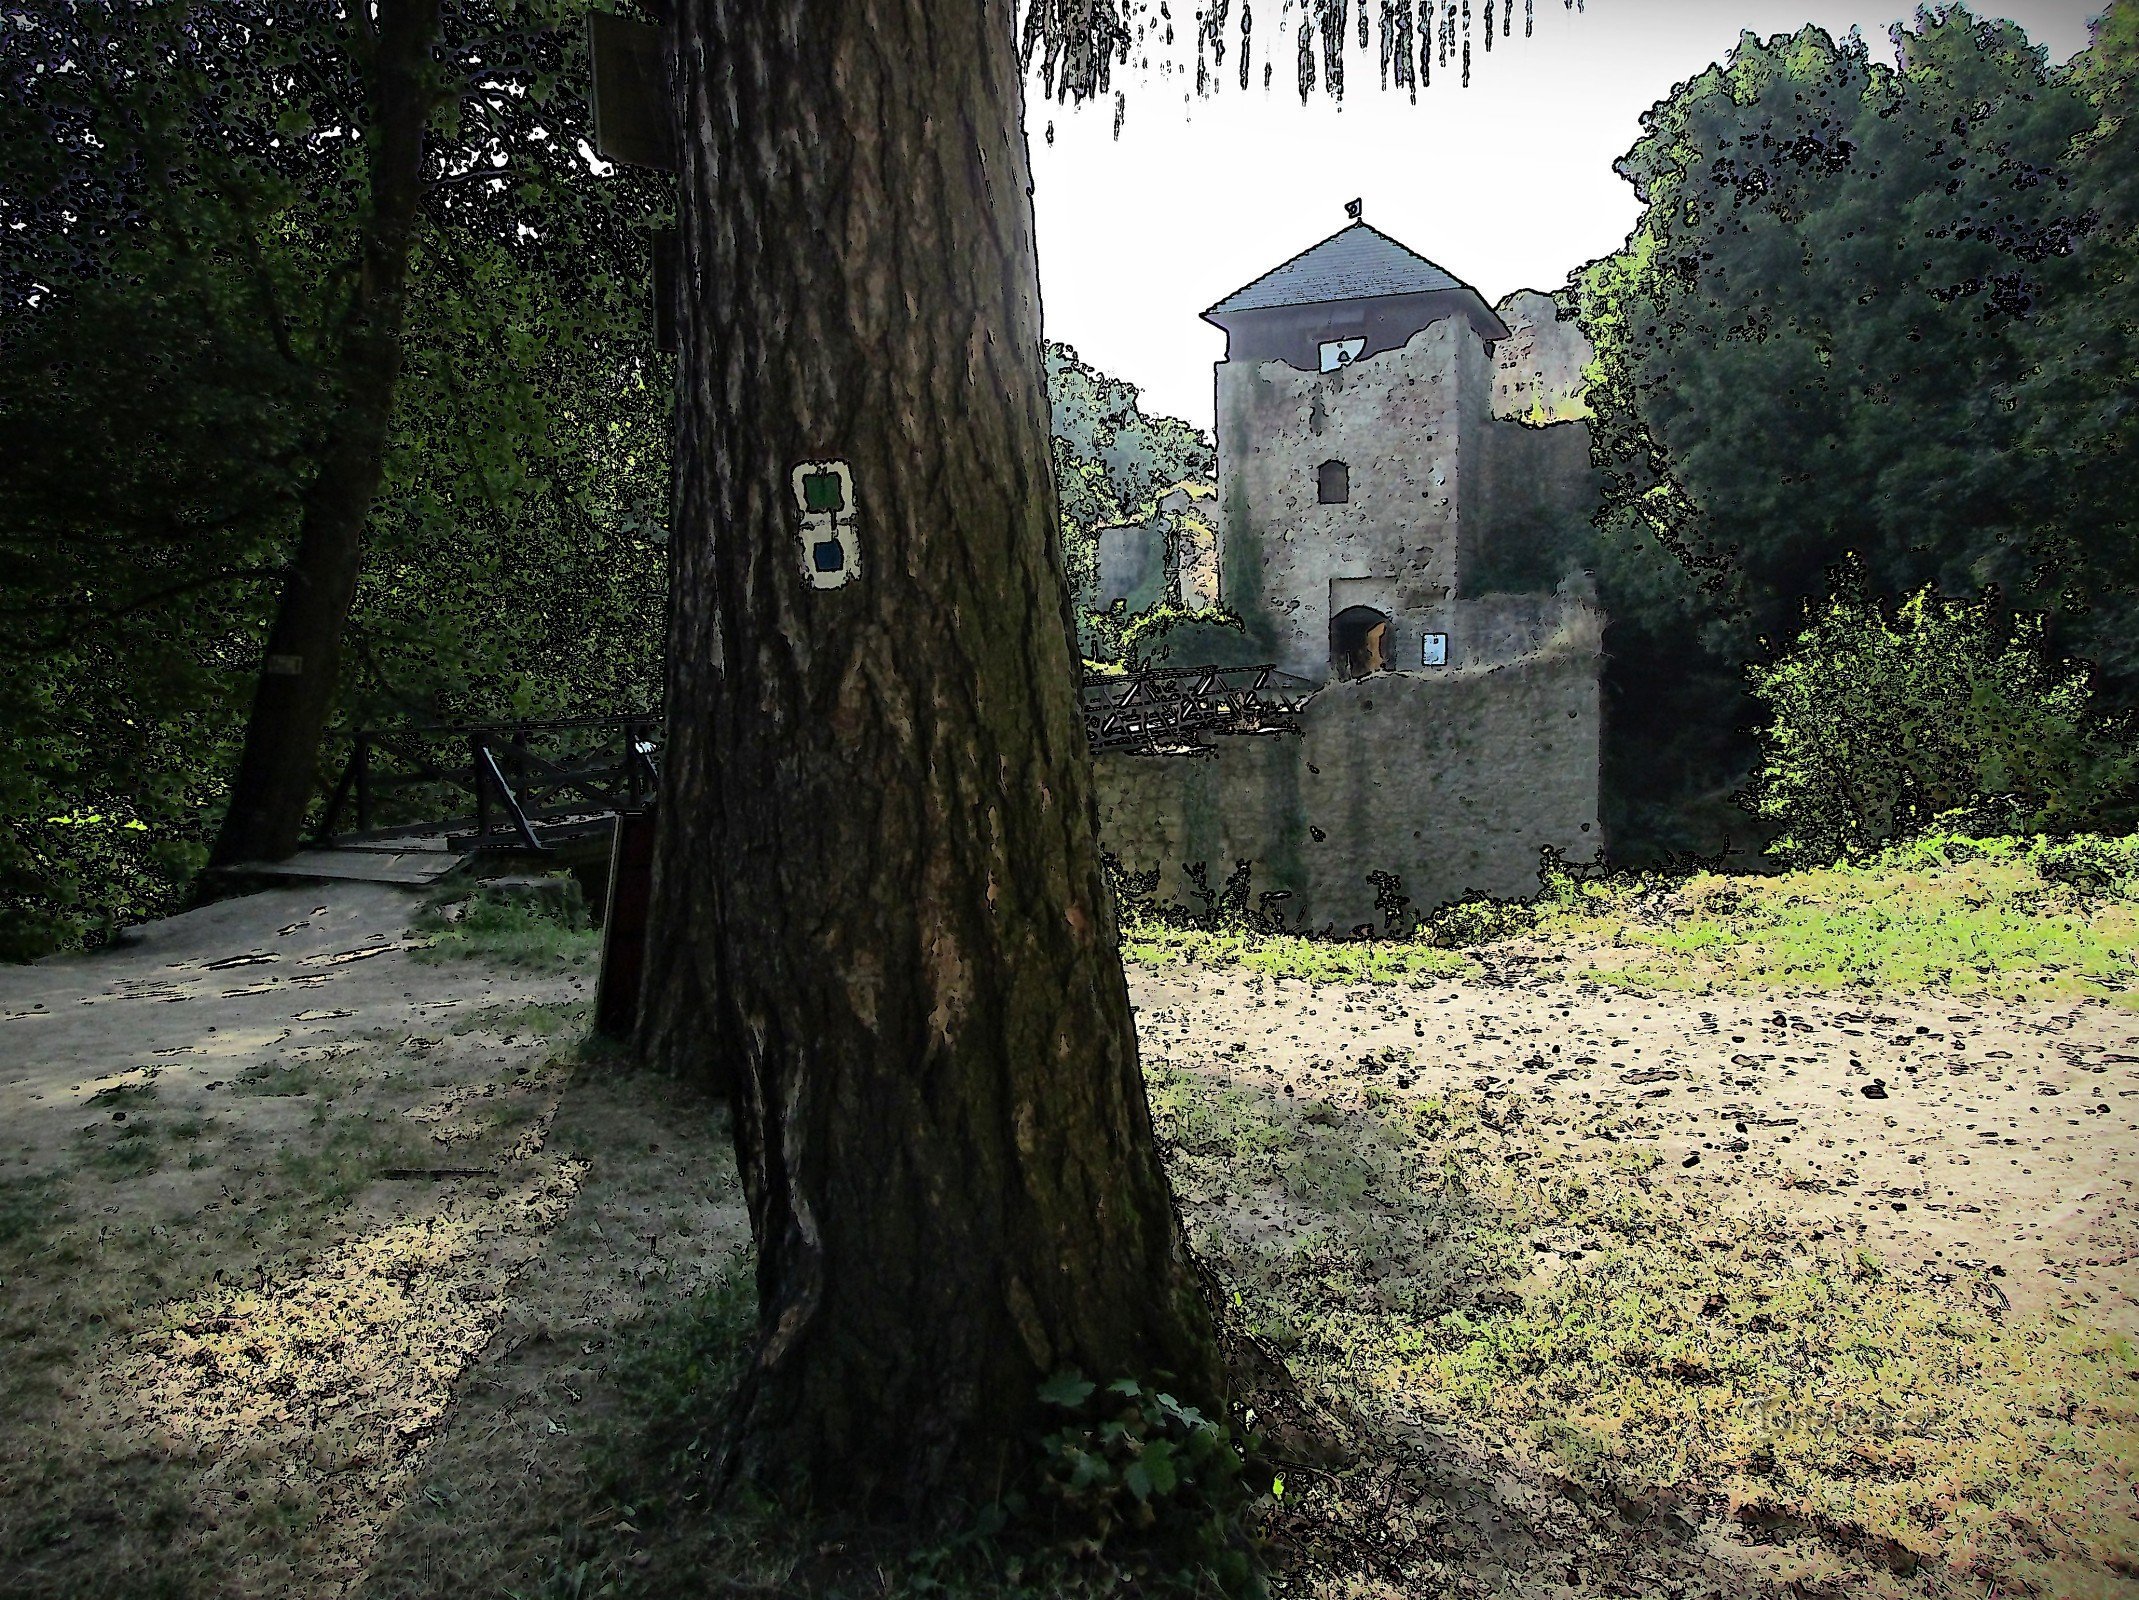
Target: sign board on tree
631, 116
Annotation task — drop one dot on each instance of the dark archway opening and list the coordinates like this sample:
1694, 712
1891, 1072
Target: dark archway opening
1333, 483
1358, 643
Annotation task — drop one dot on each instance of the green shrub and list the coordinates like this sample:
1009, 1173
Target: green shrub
540, 924
1174, 636
1884, 723
2090, 862
1478, 919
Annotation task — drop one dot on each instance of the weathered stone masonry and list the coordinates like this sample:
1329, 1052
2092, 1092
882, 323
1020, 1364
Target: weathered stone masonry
1368, 495
1394, 773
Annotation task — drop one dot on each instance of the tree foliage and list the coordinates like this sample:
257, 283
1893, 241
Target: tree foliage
179, 181
1112, 462
1869, 310
1884, 719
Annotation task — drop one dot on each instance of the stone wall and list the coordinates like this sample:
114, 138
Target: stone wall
1132, 565
1537, 369
1404, 422
1452, 780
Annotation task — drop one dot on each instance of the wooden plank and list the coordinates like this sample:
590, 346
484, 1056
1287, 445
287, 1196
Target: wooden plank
631, 869
414, 867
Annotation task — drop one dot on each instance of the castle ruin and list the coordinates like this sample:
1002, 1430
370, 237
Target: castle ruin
1393, 457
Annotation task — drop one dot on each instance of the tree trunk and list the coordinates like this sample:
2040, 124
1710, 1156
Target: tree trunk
879, 916
278, 770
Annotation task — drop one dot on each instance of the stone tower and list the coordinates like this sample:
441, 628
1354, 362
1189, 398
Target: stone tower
1356, 458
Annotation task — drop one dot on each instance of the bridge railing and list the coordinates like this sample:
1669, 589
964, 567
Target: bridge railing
1170, 708
508, 785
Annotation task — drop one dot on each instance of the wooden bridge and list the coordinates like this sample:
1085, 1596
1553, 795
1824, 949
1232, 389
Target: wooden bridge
410, 804
1160, 710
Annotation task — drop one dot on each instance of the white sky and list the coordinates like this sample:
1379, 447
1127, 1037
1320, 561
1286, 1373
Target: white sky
1507, 184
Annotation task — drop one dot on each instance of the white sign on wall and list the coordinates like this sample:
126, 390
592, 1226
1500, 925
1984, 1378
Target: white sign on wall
1340, 353
831, 540
1436, 654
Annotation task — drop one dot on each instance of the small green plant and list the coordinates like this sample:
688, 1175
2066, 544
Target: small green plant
1478, 919
1131, 1460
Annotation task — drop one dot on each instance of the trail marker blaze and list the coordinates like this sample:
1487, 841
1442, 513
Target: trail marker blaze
831, 541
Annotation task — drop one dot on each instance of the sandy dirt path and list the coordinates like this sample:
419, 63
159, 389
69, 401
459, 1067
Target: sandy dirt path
1943, 1134
202, 998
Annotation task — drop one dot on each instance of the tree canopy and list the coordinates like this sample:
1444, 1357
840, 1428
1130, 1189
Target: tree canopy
1870, 310
179, 182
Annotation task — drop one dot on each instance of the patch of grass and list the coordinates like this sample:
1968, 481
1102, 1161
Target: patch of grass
511, 929
1817, 1386
2017, 918
355, 1151
1285, 955
673, 1370
1427, 1265
125, 1096
2008, 918
132, 1151
542, 1021
280, 1078
30, 1208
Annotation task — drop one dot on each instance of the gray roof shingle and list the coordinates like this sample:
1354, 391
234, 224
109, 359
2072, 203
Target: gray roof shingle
1356, 263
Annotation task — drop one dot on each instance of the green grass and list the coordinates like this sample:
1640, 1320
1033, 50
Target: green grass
511, 930
30, 1207
1807, 1383
280, 1078
1421, 1262
130, 1150
542, 1021
354, 1152
1283, 955
2000, 918
2012, 918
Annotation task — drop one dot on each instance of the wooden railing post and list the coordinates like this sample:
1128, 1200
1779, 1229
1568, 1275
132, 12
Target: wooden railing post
481, 788
361, 757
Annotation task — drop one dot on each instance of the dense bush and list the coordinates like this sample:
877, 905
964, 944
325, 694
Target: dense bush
1174, 636
1883, 721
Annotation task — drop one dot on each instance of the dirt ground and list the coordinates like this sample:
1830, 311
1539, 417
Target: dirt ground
315, 1251
1981, 1135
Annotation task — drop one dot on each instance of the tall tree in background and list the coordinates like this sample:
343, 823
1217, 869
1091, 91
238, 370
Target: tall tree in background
277, 775
181, 182
1818, 341
2078, 398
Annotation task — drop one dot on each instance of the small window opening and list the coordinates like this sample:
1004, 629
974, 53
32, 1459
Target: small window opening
1358, 643
1333, 483
1340, 352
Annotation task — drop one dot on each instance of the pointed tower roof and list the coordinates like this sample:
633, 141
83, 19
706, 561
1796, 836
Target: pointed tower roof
1355, 263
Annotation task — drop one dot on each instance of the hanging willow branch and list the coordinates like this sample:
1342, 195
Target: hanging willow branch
1077, 44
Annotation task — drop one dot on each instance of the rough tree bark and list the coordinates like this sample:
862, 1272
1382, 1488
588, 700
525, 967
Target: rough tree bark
879, 917
278, 770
